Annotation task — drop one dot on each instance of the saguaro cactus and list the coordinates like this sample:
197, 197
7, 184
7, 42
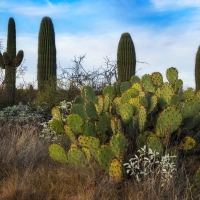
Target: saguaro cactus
10, 61
126, 58
46, 53
197, 70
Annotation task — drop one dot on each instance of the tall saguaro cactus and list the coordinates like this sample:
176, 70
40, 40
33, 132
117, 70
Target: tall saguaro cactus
126, 58
46, 54
10, 61
197, 70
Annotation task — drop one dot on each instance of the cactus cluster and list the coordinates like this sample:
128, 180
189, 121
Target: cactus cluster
142, 111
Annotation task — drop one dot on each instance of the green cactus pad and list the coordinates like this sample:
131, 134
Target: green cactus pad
70, 134
142, 118
75, 121
57, 153
87, 93
174, 99
106, 103
114, 125
187, 143
125, 98
142, 139
172, 75
80, 110
57, 125
88, 128
87, 153
76, 157
164, 95
126, 112
134, 79
152, 103
118, 144
168, 121
155, 144
147, 83
142, 94
102, 125
187, 94
99, 106
197, 178
190, 107
89, 141
144, 102
133, 92
115, 170
105, 156
110, 91
178, 85
157, 79
137, 86
135, 102
79, 100
125, 86
56, 113
91, 110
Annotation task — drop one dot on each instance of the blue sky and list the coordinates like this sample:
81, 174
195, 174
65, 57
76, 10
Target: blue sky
165, 33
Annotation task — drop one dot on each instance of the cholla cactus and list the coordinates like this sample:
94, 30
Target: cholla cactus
148, 163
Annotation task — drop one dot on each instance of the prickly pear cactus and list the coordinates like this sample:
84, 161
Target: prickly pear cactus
138, 112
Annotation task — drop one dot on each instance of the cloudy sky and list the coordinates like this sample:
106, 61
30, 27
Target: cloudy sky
165, 33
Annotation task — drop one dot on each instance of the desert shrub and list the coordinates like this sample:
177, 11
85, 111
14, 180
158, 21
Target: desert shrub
22, 115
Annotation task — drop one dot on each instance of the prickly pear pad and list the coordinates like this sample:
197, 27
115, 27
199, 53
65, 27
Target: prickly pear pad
126, 111
147, 83
57, 125
155, 144
70, 134
157, 79
79, 109
190, 107
88, 94
110, 91
76, 157
118, 144
134, 79
187, 143
187, 94
75, 121
87, 153
168, 121
91, 110
88, 141
115, 170
172, 75
105, 156
152, 103
57, 153
142, 117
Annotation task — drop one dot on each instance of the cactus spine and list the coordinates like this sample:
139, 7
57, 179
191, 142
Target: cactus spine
46, 54
10, 61
197, 70
126, 58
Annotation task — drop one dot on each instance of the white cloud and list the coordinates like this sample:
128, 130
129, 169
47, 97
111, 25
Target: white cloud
174, 4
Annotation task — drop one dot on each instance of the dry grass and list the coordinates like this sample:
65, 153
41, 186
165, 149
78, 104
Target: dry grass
27, 172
